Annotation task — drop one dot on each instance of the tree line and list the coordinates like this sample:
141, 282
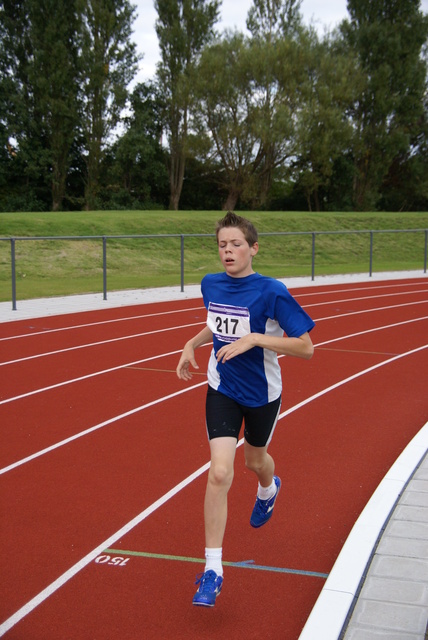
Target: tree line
281, 118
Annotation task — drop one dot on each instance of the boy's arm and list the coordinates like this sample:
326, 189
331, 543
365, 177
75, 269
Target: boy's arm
188, 355
300, 347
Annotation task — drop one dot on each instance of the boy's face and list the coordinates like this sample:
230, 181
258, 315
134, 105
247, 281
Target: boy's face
236, 254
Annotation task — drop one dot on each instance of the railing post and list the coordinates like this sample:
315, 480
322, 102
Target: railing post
313, 256
12, 257
104, 268
182, 263
371, 254
426, 250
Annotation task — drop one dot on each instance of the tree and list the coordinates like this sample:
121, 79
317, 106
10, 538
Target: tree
183, 28
39, 87
387, 37
224, 114
269, 19
53, 76
247, 95
137, 175
108, 64
10, 14
405, 188
277, 32
323, 128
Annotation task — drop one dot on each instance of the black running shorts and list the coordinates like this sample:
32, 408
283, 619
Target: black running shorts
224, 417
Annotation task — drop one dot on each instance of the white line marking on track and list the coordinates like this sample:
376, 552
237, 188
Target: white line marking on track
373, 330
384, 295
100, 322
76, 436
93, 324
159, 400
164, 355
101, 342
90, 557
89, 375
161, 313
372, 288
353, 313
95, 344
350, 378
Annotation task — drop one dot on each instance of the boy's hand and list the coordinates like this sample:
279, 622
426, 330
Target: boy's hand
233, 349
187, 359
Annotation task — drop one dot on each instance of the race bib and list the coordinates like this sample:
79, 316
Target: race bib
228, 323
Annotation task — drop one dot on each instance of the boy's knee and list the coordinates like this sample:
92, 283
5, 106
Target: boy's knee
255, 464
221, 475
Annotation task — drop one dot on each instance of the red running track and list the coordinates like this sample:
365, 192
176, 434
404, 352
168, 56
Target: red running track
104, 458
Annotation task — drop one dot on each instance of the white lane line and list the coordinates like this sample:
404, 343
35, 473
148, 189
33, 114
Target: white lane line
54, 586
100, 322
356, 289
353, 313
96, 427
87, 376
76, 436
336, 385
164, 355
90, 557
187, 309
377, 296
101, 342
194, 324
373, 330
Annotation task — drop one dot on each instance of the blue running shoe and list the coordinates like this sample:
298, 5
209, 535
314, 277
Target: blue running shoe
209, 588
263, 509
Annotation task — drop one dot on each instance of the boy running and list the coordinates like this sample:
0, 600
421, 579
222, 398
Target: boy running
247, 315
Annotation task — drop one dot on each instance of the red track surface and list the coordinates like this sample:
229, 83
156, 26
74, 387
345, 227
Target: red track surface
97, 429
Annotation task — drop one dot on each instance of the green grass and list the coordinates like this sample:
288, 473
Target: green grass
62, 267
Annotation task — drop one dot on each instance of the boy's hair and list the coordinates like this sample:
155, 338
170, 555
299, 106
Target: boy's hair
233, 220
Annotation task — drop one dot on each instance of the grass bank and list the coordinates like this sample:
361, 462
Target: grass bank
69, 266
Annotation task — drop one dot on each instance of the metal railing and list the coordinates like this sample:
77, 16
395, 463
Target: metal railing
104, 239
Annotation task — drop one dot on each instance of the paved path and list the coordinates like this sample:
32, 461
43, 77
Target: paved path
393, 602
94, 301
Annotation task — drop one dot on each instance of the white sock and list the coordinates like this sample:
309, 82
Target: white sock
213, 560
265, 493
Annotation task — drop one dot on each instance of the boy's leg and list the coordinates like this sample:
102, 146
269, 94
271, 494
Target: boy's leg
260, 423
220, 478
257, 459
261, 462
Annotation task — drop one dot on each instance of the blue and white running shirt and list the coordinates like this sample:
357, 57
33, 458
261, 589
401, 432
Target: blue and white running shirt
236, 307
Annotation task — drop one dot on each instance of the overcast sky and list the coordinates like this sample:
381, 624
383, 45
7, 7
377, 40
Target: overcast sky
324, 14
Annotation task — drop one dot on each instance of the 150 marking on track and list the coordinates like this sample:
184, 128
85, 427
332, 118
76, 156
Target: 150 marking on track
117, 561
